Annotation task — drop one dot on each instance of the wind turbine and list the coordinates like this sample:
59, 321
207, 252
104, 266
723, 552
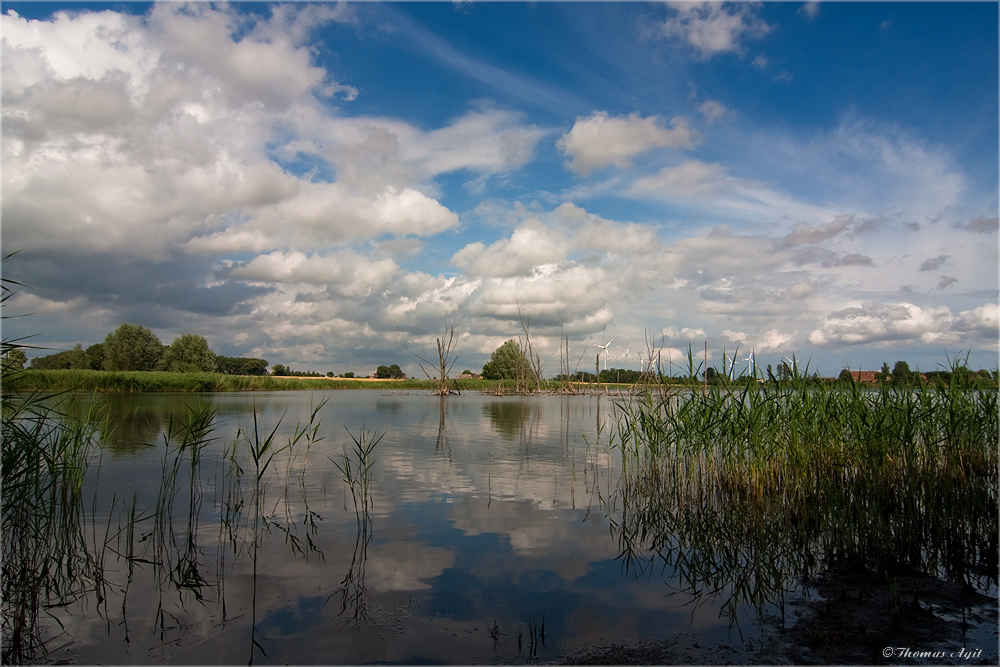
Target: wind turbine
793, 367
626, 355
732, 364
643, 362
751, 366
606, 353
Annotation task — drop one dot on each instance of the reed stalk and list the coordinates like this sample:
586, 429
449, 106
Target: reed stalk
740, 490
48, 560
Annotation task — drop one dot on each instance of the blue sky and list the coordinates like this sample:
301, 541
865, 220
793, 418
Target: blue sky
317, 184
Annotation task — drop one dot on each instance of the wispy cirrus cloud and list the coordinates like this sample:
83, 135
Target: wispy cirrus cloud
520, 85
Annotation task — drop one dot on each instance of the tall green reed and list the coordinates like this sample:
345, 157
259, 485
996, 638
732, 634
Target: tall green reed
48, 560
741, 489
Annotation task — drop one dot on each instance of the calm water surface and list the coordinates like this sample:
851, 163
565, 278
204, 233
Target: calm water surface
491, 519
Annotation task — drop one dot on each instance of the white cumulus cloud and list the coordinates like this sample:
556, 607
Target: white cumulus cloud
600, 140
907, 323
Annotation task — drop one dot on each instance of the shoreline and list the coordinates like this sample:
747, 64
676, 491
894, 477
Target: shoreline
92, 381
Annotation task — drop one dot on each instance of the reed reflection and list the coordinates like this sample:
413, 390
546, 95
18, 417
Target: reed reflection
745, 495
356, 468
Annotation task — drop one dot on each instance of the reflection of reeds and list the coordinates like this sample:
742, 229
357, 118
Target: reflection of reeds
536, 634
739, 491
495, 633
55, 555
262, 452
47, 560
356, 467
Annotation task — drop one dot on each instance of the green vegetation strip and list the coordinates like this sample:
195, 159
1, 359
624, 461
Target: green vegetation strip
742, 491
80, 380
160, 381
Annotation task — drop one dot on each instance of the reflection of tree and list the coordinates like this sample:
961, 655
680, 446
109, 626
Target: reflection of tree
137, 420
62, 551
508, 417
442, 444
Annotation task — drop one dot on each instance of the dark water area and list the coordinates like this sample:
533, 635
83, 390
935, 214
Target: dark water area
369, 526
488, 536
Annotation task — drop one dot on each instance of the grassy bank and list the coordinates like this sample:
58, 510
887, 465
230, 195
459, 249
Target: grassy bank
68, 380
158, 381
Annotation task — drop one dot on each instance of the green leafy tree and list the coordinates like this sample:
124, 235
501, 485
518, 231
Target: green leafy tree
240, 366
75, 358
901, 372
279, 370
14, 359
389, 372
507, 362
95, 354
50, 362
845, 376
189, 353
132, 347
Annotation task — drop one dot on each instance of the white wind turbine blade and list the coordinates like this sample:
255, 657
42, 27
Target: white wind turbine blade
606, 353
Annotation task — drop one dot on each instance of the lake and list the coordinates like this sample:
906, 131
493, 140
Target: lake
484, 533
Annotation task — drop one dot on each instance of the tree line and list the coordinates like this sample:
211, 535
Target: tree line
132, 347
902, 375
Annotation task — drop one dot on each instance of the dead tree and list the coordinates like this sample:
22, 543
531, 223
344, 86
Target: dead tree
447, 356
534, 361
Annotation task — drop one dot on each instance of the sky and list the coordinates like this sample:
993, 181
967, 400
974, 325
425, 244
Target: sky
331, 186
